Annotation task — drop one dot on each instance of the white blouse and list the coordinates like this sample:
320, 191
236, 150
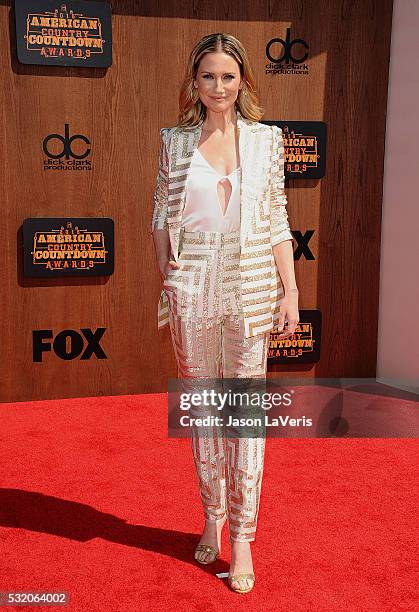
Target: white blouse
202, 211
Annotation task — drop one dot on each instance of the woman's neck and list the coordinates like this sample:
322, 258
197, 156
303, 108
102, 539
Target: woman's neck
224, 121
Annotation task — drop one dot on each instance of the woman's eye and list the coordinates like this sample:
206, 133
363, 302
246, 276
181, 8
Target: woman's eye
228, 76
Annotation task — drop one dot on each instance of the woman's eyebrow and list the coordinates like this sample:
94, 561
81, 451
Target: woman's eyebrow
208, 72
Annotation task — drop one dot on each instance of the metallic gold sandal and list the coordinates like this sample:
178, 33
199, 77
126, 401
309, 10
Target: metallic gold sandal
237, 577
207, 549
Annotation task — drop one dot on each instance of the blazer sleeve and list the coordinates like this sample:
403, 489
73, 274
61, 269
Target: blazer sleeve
160, 198
280, 229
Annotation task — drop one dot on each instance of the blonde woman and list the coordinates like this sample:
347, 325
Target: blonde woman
225, 255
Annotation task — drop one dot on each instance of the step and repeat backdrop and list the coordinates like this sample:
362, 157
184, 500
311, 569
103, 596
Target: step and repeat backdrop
86, 87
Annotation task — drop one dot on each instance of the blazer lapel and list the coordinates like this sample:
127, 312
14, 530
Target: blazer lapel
182, 147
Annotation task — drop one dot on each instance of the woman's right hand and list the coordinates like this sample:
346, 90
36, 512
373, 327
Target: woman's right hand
166, 266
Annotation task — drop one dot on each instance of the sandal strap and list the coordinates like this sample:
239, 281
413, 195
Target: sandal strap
242, 577
206, 548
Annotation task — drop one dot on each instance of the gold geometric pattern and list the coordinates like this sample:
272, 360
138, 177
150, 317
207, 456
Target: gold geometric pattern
208, 335
263, 215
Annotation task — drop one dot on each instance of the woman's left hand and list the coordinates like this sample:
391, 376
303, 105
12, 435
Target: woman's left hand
288, 312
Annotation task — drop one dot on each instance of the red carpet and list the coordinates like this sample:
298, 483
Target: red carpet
96, 501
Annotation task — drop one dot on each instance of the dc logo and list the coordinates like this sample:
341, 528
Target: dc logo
287, 56
67, 141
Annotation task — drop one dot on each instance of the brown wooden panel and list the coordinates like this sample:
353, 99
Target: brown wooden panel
121, 110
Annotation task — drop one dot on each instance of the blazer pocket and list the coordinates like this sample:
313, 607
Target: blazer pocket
173, 287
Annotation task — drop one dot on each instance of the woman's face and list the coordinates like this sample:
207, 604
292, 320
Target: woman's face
218, 81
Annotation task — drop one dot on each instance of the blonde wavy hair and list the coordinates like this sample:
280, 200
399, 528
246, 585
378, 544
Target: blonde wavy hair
191, 110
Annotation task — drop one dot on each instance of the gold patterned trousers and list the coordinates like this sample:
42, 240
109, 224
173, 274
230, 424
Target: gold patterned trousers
207, 329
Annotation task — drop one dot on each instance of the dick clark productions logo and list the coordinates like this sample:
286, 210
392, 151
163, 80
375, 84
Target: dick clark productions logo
66, 150
288, 59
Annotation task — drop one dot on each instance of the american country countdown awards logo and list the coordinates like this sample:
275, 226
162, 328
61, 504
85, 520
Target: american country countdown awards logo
287, 56
304, 148
70, 33
68, 247
303, 346
67, 151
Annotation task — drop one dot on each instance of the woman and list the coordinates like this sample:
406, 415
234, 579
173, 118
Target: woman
225, 256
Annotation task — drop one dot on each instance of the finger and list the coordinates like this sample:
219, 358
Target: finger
281, 322
291, 326
285, 334
283, 337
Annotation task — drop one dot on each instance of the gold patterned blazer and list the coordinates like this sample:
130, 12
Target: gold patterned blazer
263, 215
